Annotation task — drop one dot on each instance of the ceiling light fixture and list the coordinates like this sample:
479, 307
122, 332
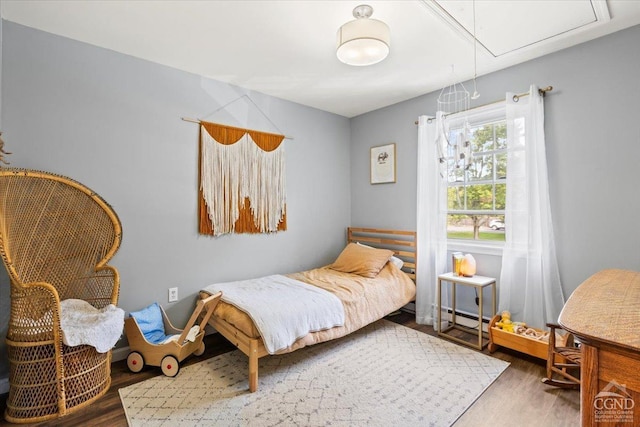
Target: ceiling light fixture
363, 41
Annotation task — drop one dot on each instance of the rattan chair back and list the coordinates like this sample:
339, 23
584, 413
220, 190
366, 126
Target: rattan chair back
56, 236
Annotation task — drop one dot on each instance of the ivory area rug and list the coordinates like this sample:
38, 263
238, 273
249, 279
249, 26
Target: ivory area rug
382, 375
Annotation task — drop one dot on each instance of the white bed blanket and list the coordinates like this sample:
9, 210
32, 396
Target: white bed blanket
282, 309
82, 323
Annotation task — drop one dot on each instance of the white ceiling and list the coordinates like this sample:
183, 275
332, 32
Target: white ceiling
287, 48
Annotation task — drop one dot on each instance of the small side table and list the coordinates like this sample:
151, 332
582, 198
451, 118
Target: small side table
478, 282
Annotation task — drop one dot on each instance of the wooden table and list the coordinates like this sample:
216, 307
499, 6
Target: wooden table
479, 283
604, 313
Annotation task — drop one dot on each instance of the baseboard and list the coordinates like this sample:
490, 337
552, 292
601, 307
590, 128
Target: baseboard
410, 308
119, 354
4, 385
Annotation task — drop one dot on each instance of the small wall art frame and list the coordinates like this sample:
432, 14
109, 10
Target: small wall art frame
383, 164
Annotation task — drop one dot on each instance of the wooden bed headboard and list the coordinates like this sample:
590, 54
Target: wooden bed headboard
401, 242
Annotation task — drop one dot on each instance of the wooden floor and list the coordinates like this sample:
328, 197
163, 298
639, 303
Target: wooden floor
516, 398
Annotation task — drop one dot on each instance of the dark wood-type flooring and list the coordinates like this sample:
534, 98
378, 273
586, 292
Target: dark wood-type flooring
516, 398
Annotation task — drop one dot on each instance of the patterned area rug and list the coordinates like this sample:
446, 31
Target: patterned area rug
384, 374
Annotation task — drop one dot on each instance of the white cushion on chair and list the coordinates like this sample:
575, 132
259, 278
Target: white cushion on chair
83, 324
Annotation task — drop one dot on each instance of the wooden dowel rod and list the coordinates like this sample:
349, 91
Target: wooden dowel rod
187, 119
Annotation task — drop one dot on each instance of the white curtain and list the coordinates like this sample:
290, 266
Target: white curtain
431, 217
529, 284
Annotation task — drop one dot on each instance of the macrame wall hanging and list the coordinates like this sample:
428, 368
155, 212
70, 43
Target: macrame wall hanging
242, 181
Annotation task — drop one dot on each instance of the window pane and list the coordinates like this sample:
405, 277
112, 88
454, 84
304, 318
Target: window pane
455, 198
501, 166
480, 197
455, 137
477, 179
482, 138
501, 136
455, 173
459, 227
475, 227
481, 168
501, 196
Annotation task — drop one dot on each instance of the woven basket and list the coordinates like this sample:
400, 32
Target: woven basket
56, 238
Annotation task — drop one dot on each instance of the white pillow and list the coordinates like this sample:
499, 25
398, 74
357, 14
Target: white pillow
394, 260
397, 262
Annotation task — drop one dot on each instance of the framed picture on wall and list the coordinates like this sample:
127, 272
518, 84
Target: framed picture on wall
383, 164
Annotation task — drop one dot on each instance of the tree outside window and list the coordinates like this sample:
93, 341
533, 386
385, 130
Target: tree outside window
477, 184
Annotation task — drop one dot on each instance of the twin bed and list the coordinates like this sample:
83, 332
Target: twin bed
373, 277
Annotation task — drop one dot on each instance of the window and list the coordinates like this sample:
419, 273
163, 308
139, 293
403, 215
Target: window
476, 184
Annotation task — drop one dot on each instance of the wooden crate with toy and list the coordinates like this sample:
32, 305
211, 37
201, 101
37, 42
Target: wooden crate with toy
518, 336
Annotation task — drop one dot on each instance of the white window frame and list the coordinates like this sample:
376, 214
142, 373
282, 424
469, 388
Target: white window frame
486, 114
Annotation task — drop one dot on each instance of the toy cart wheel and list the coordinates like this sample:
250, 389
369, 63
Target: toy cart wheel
170, 366
135, 361
200, 350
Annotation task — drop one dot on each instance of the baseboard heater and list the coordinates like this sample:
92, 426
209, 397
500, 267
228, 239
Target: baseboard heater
463, 318
468, 315
469, 320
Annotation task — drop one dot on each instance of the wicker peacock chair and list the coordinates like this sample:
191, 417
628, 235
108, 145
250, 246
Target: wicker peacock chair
56, 238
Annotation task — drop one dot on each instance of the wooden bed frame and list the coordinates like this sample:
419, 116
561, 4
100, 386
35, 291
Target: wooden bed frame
403, 243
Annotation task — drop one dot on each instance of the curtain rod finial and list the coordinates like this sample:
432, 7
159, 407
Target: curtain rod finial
544, 91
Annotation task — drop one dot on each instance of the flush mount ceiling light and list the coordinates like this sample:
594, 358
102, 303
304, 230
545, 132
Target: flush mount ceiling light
363, 41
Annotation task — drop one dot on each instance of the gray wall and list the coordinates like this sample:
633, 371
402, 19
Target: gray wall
113, 123
592, 131
4, 288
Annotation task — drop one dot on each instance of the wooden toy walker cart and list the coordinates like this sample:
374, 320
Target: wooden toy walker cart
169, 354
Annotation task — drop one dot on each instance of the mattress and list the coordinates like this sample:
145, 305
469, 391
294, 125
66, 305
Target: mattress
365, 300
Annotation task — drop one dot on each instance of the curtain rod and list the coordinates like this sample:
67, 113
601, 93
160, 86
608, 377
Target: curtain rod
542, 92
187, 119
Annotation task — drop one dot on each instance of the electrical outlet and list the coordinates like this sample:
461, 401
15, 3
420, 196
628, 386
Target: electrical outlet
173, 294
